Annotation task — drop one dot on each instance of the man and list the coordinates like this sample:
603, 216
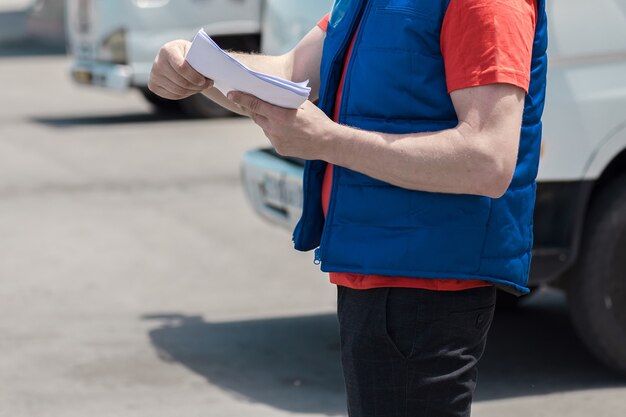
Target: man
419, 183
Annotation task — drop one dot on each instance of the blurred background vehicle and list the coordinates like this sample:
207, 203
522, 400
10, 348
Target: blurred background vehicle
39, 21
114, 42
46, 21
580, 213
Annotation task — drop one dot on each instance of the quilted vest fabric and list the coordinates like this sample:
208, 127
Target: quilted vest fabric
395, 83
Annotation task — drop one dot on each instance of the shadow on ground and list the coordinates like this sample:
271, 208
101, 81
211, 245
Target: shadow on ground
111, 119
288, 363
66, 122
29, 47
292, 363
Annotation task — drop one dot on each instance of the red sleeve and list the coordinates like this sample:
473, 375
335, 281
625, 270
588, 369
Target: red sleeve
323, 23
488, 42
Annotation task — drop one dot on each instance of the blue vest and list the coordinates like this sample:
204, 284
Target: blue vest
395, 83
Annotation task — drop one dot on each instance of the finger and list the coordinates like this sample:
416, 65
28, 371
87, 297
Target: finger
260, 120
177, 78
267, 135
171, 86
161, 92
164, 76
193, 76
175, 91
174, 53
175, 58
251, 103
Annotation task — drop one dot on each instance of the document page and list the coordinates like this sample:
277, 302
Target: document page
206, 57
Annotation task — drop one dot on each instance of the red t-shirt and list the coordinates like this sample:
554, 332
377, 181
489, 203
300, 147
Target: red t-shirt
482, 42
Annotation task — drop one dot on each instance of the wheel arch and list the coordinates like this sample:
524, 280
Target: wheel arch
607, 170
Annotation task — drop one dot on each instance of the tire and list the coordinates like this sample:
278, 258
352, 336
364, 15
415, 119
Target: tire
597, 286
161, 105
201, 107
194, 107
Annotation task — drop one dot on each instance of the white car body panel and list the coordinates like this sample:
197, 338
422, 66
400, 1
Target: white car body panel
606, 153
274, 187
285, 22
586, 102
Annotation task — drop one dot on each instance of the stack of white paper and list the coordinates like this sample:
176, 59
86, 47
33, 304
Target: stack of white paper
229, 74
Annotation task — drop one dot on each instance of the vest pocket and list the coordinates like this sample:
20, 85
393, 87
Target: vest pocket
451, 229
393, 231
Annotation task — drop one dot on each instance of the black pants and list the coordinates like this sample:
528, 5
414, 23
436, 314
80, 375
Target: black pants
412, 352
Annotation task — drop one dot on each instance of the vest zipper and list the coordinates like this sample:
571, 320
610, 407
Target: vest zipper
307, 171
320, 252
298, 229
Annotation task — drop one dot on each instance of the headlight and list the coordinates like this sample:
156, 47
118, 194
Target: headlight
114, 47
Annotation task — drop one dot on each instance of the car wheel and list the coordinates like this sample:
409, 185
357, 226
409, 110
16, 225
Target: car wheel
597, 287
200, 107
195, 107
160, 104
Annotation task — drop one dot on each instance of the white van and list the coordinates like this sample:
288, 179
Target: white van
580, 213
113, 42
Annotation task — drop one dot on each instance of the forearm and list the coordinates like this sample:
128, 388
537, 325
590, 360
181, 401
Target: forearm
280, 66
219, 98
452, 161
478, 156
302, 63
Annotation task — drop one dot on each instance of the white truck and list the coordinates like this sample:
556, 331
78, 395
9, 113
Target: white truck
580, 213
113, 43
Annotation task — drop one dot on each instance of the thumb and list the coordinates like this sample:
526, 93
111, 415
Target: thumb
176, 52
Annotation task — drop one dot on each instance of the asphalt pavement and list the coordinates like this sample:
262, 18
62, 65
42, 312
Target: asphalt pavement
136, 281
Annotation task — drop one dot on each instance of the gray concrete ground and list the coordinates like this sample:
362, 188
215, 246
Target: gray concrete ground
135, 280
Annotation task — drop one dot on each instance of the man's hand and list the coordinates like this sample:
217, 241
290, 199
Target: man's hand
172, 77
305, 132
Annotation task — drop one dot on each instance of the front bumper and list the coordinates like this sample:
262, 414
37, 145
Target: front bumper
273, 185
113, 76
